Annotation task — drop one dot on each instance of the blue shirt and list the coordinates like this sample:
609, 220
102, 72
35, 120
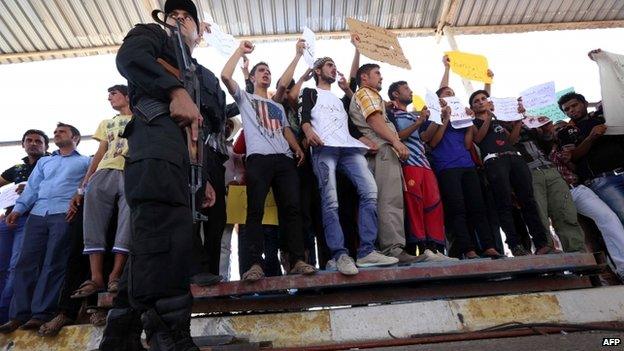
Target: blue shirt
451, 150
52, 184
417, 157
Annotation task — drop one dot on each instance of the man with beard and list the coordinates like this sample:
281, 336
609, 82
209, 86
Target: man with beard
35, 142
40, 268
325, 123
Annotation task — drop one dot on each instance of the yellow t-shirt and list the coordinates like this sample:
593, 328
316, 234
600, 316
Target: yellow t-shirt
110, 130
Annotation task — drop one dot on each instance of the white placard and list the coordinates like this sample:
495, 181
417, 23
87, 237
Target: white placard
225, 43
611, 67
506, 109
432, 101
8, 196
539, 96
309, 52
459, 118
535, 121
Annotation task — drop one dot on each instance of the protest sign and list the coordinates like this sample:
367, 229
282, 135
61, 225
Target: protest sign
236, 207
225, 43
539, 96
378, 43
459, 118
470, 66
309, 52
535, 121
506, 109
417, 102
611, 68
433, 104
8, 196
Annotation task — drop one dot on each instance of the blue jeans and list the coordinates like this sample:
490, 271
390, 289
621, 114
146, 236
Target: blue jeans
610, 189
351, 162
40, 268
10, 247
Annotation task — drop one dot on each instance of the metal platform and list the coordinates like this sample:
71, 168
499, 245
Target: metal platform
418, 282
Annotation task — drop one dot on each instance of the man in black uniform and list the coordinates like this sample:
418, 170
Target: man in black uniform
156, 182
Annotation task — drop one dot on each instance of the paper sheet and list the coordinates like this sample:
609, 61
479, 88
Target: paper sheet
433, 104
309, 54
470, 66
459, 118
539, 96
8, 196
506, 109
611, 67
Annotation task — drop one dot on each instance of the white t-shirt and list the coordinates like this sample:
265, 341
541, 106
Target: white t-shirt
331, 122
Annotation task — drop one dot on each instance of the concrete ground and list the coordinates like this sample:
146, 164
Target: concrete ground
582, 341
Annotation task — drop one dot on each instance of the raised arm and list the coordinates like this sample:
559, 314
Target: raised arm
293, 94
285, 79
447, 68
355, 64
245, 47
488, 86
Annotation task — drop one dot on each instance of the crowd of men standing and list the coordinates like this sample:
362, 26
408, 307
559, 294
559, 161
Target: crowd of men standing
393, 187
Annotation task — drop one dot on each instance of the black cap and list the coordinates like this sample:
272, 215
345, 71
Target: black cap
186, 5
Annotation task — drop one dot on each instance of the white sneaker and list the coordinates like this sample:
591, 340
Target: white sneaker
433, 257
346, 265
331, 265
445, 257
376, 259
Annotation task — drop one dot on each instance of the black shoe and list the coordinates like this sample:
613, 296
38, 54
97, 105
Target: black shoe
519, 250
168, 324
122, 332
205, 279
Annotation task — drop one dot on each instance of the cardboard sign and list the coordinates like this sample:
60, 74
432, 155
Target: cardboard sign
378, 43
506, 109
469, 66
236, 207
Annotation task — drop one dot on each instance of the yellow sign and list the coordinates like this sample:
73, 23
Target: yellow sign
236, 207
378, 43
417, 102
470, 66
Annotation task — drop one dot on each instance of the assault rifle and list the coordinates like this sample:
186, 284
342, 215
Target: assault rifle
186, 73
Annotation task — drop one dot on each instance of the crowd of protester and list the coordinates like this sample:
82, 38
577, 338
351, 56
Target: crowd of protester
359, 181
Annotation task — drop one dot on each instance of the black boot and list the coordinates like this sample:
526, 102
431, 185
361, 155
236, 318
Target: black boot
168, 324
122, 332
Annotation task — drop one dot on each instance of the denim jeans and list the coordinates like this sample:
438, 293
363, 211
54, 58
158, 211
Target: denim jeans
40, 269
351, 162
610, 189
11, 239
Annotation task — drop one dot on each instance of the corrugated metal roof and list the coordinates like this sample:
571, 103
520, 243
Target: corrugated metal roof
44, 29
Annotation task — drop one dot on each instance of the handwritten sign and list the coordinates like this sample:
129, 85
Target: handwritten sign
433, 104
470, 66
9, 196
417, 102
611, 68
225, 43
506, 109
309, 52
552, 111
535, 121
539, 96
378, 43
459, 118
236, 207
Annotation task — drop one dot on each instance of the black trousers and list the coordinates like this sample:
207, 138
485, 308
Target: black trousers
208, 252
280, 173
507, 174
156, 184
272, 266
462, 199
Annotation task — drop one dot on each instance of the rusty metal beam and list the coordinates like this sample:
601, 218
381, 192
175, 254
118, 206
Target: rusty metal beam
416, 273
389, 294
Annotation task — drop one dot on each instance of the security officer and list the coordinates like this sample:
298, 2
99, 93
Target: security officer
156, 181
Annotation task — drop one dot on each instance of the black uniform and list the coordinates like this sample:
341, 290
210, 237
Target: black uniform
157, 191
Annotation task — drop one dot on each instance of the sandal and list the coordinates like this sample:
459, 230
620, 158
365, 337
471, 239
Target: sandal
113, 285
98, 318
86, 289
254, 274
53, 327
302, 268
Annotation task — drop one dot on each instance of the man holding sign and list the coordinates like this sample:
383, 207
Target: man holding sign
507, 172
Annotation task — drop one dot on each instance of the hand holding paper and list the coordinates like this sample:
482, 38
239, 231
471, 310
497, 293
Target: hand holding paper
506, 109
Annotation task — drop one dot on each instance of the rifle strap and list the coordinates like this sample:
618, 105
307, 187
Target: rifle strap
169, 68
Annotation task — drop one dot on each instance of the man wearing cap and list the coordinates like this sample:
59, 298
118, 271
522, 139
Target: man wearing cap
326, 126
156, 184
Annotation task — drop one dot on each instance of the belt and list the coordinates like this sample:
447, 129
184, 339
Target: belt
499, 154
615, 172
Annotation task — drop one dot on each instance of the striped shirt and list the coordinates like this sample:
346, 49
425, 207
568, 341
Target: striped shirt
417, 157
